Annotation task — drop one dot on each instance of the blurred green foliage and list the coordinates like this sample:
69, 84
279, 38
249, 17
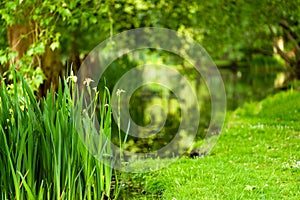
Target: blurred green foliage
233, 32
228, 29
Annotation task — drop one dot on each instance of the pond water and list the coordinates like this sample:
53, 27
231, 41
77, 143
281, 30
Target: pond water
153, 111
242, 85
248, 84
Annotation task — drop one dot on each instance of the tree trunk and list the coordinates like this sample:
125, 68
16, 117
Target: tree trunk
297, 69
52, 68
20, 37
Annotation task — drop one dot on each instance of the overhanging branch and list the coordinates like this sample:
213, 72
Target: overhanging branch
280, 52
290, 34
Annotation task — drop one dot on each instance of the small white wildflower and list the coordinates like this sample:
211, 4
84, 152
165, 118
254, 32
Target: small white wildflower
297, 164
22, 107
72, 78
250, 187
285, 165
119, 91
75, 79
88, 81
95, 89
291, 164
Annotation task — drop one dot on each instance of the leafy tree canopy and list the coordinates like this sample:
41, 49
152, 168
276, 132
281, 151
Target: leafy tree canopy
228, 29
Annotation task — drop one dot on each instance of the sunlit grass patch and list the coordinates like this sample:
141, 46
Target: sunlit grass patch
256, 157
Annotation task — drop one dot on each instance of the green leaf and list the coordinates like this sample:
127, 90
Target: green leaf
54, 45
27, 187
3, 59
11, 5
65, 13
36, 49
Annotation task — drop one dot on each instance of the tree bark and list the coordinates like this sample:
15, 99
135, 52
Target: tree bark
52, 68
20, 37
297, 66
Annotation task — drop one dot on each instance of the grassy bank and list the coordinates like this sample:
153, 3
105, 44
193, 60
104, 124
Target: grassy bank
41, 156
256, 157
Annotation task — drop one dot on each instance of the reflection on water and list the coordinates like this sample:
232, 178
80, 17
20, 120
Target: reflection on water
153, 104
242, 85
248, 84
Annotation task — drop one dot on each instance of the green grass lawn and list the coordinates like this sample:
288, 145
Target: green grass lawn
257, 157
